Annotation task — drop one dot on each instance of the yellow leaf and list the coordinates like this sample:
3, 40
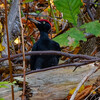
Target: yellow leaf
0, 27
93, 92
1, 33
17, 41
47, 8
52, 3
72, 91
1, 47
2, 6
82, 2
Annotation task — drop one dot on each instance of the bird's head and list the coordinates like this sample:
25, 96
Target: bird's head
42, 24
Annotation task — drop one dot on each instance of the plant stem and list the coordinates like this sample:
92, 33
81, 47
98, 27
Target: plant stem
24, 68
53, 15
10, 65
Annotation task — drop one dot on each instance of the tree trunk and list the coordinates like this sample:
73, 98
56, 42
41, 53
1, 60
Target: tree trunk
11, 18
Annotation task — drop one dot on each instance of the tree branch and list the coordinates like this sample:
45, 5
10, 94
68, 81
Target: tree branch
73, 56
46, 69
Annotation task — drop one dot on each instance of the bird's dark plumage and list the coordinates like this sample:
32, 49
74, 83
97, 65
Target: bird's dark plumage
44, 44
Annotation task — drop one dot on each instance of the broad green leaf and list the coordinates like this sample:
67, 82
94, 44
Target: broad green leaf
62, 39
74, 33
92, 28
69, 8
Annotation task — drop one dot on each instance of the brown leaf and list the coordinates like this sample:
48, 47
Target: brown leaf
84, 93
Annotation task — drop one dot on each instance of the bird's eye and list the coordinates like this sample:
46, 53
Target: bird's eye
43, 22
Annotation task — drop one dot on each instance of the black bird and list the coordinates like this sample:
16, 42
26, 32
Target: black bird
44, 44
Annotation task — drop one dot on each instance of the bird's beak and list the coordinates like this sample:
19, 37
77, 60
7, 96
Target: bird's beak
34, 21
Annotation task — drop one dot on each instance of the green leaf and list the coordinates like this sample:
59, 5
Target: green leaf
55, 22
69, 8
5, 82
2, 99
92, 27
37, 12
3, 86
27, 1
74, 33
9, 1
22, 14
62, 39
33, 40
12, 83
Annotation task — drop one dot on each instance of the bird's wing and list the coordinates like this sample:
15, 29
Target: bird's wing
56, 46
33, 57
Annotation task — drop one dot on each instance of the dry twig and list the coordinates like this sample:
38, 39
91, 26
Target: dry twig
24, 68
9, 59
92, 92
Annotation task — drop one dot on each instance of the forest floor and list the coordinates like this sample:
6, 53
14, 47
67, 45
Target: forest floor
53, 84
